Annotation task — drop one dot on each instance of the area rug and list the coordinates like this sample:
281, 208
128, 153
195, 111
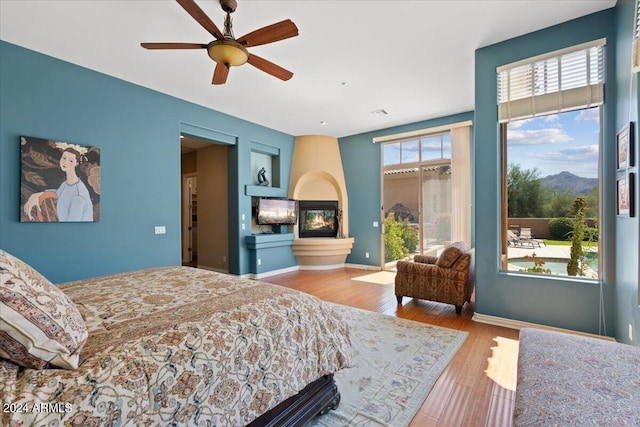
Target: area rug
396, 364
381, 278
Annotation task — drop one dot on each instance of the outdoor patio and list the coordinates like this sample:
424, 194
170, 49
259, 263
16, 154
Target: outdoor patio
550, 251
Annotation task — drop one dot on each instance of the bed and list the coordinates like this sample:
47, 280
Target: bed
169, 346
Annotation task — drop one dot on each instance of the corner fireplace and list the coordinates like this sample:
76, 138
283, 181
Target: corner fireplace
317, 218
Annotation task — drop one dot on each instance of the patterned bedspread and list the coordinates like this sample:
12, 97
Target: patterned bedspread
180, 346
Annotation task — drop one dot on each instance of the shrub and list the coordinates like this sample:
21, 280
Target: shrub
400, 239
410, 237
538, 265
590, 234
393, 243
561, 228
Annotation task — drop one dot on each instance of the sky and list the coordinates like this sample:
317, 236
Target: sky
556, 143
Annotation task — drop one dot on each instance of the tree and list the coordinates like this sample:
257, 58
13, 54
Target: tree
559, 206
591, 211
525, 192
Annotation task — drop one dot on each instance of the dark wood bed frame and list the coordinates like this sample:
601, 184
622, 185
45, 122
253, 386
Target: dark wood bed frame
316, 398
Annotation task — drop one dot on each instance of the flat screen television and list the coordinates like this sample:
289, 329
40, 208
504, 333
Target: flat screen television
276, 212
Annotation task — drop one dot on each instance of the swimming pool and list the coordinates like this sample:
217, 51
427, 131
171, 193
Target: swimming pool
556, 265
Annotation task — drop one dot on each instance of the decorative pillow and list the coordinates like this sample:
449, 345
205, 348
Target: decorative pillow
39, 324
451, 254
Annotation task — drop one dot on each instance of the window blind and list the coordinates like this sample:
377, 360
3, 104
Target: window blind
635, 48
637, 33
564, 80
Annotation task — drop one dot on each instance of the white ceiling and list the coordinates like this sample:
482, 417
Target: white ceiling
414, 59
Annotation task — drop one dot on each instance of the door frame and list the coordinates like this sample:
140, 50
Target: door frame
186, 217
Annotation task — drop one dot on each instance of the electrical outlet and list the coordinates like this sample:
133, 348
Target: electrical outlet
366, 254
160, 229
224, 258
630, 331
375, 224
259, 261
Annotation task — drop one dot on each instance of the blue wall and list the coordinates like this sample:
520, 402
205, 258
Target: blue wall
361, 160
561, 303
137, 130
627, 230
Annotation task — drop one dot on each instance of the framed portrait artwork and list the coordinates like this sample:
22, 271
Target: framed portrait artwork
59, 181
625, 148
631, 188
625, 195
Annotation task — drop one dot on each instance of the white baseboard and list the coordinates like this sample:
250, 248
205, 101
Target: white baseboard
303, 267
518, 324
363, 267
271, 273
219, 270
321, 267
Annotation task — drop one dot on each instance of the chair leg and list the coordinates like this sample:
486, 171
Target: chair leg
399, 298
458, 309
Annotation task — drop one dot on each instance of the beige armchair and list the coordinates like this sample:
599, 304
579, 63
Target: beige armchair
449, 278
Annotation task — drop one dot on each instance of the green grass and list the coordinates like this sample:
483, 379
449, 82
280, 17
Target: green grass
550, 242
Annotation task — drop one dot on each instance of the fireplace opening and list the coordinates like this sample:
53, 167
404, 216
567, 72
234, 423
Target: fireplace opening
317, 218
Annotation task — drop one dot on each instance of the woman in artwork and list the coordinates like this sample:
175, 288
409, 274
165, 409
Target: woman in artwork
73, 201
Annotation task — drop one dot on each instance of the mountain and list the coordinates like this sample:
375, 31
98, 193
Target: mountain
569, 183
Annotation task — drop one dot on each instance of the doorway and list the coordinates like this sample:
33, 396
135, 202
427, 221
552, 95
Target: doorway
425, 192
204, 204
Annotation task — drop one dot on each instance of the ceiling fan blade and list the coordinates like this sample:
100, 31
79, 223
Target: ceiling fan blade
269, 67
196, 13
173, 45
269, 34
220, 74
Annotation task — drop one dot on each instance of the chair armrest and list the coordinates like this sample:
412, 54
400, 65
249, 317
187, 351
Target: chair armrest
409, 268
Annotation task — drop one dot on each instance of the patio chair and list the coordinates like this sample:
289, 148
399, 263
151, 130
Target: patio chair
525, 236
515, 240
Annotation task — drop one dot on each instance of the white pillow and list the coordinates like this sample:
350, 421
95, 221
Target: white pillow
39, 324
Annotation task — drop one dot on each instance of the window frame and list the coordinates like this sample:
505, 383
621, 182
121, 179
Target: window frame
504, 210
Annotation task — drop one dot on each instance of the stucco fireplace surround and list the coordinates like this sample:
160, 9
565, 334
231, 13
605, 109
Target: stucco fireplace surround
317, 174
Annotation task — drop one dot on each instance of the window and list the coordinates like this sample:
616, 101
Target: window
550, 135
425, 190
432, 147
416, 195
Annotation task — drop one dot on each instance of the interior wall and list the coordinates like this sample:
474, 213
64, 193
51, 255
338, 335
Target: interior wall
138, 132
627, 259
188, 162
563, 303
213, 234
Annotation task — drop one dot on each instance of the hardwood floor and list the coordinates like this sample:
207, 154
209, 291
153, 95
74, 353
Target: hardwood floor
478, 386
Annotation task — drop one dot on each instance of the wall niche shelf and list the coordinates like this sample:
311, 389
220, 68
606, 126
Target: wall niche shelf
262, 191
267, 157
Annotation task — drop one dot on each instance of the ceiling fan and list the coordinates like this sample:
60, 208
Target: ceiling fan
228, 51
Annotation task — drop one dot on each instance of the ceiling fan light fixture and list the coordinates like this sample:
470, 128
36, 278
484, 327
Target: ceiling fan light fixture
228, 52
